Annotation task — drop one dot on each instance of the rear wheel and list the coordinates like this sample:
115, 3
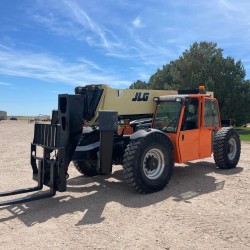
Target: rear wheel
148, 163
87, 167
227, 148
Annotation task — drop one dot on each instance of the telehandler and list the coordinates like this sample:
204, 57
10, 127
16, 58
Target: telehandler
146, 131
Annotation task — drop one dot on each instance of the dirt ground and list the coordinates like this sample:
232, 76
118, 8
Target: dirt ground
201, 208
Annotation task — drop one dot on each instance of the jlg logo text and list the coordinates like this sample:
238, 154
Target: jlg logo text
140, 97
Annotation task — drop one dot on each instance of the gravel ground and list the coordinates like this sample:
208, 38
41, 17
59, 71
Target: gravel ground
202, 207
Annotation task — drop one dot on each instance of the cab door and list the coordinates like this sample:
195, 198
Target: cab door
210, 122
189, 145
189, 136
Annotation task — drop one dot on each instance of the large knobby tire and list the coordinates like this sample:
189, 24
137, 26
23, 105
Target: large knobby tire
87, 167
227, 148
148, 163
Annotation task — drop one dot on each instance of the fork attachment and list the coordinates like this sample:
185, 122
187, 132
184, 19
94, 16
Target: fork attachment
58, 141
36, 196
46, 171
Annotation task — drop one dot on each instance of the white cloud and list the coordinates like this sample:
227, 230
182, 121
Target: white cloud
71, 19
137, 23
5, 84
53, 69
234, 6
85, 21
169, 27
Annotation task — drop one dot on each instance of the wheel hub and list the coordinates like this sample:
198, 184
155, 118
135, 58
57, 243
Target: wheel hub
231, 149
151, 163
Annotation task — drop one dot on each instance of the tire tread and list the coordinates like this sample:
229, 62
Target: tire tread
220, 148
130, 160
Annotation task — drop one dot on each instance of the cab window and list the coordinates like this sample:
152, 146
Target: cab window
167, 116
211, 113
190, 119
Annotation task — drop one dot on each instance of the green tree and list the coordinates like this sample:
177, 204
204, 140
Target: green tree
139, 85
204, 64
229, 88
163, 78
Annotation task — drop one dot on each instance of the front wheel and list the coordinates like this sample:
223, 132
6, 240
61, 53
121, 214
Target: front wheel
148, 163
227, 148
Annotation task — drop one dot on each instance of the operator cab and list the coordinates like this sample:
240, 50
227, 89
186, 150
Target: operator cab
189, 120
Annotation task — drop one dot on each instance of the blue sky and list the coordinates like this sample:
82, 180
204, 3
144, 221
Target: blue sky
48, 47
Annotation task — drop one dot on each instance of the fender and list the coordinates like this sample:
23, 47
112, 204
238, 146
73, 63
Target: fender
144, 133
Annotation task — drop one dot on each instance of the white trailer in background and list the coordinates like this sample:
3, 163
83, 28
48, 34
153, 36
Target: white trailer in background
3, 115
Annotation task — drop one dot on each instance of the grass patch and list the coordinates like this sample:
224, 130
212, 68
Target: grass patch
244, 133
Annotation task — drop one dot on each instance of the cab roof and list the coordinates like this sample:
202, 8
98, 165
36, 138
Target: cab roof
186, 93
169, 98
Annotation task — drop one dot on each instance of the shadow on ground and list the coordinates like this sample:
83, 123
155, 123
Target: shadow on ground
91, 195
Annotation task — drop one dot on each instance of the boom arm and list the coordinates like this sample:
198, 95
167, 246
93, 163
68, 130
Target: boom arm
129, 103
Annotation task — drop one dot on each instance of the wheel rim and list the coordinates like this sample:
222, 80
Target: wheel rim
153, 163
232, 148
